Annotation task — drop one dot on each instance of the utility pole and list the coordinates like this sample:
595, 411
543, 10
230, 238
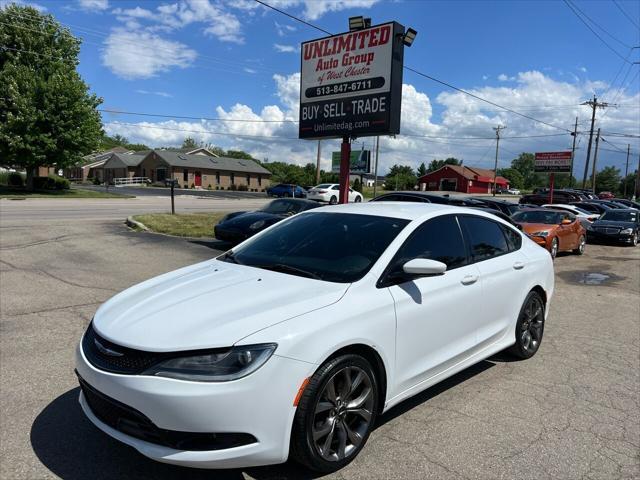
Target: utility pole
375, 169
637, 195
595, 160
318, 165
573, 151
495, 170
594, 105
626, 171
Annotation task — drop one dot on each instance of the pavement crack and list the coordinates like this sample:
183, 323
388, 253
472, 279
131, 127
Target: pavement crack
73, 284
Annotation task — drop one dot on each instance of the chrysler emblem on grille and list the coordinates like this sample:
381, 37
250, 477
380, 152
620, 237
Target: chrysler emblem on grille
106, 351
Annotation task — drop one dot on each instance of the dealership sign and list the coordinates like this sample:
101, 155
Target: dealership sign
351, 84
552, 162
359, 161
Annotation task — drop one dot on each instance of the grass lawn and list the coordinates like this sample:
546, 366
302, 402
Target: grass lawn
181, 225
14, 193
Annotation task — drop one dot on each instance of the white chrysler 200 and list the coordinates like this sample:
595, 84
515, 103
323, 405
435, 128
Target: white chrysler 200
293, 342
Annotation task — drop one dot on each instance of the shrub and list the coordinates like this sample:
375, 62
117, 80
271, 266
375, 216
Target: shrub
193, 185
58, 183
233, 187
14, 179
243, 188
209, 187
95, 181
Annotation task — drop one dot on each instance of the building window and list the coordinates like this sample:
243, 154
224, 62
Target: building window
162, 174
259, 180
248, 179
144, 172
185, 175
232, 176
217, 178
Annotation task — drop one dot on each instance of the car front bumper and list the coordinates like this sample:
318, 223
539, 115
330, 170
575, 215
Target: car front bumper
260, 405
595, 236
229, 234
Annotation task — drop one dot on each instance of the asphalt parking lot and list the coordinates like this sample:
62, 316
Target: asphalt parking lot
573, 411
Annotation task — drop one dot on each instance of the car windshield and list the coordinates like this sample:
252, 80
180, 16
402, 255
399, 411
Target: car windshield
283, 207
580, 210
335, 247
620, 216
538, 216
513, 208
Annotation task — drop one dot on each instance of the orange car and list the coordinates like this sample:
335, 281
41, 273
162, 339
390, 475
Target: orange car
555, 230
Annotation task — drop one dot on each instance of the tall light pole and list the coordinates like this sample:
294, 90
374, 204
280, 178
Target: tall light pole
318, 165
375, 168
626, 171
574, 134
495, 169
595, 160
594, 105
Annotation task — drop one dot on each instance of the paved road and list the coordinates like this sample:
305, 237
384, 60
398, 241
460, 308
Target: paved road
571, 412
166, 192
32, 211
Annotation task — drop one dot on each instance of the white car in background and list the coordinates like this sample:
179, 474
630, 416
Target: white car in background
292, 343
577, 211
330, 193
513, 191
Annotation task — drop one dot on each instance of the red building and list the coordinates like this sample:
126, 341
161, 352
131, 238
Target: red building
456, 178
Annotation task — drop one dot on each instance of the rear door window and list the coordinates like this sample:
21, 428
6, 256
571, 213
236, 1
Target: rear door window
485, 237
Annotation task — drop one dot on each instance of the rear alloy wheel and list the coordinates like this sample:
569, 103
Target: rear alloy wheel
530, 327
582, 242
333, 200
554, 248
358, 199
335, 414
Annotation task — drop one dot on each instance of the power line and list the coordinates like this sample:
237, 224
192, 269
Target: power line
599, 26
615, 2
571, 7
293, 17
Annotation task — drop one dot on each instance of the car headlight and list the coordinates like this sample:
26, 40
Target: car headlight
627, 231
540, 234
256, 225
220, 366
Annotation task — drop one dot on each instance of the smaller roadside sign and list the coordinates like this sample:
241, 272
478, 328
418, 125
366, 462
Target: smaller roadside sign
359, 161
552, 162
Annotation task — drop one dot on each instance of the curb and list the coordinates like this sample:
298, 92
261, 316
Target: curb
135, 224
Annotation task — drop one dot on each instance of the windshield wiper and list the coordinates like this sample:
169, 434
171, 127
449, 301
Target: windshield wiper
281, 267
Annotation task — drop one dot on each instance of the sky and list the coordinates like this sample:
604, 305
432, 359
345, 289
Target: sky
237, 60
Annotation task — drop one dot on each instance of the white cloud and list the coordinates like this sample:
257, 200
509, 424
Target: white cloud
459, 116
583, 69
94, 5
23, 3
283, 29
505, 78
311, 9
485, 77
249, 70
134, 55
285, 48
159, 94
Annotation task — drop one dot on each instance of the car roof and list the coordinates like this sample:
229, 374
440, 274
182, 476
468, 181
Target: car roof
494, 200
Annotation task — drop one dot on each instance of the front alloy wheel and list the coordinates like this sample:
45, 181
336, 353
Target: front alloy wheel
335, 414
530, 327
582, 242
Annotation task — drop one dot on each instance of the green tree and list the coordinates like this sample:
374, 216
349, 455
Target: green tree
438, 164
238, 154
422, 170
107, 142
630, 181
400, 177
608, 180
190, 143
47, 115
357, 185
524, 164
516, 180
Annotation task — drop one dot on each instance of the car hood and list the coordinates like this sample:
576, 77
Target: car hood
537, 227
246, 219
208, 305
611, 223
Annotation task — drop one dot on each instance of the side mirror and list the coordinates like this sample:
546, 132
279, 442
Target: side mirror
566, 221
420, 267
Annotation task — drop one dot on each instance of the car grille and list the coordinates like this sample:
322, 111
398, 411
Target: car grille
607, 230
108, 356
135, 424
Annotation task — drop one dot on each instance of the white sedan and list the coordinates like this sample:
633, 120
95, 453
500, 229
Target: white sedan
330, 193
292, 343
577, 211
513, 191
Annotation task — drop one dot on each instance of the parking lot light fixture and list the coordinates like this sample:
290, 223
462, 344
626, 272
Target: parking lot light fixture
409, 36
356, 23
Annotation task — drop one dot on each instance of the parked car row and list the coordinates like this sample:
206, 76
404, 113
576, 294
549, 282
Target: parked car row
325, 192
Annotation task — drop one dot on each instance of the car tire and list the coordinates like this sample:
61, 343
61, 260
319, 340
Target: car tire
582, 242
333, 200
634, 239
327, 434
554, 248
529, 327
358, 199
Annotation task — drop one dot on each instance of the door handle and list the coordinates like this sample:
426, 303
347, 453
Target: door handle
518, 265
469, 279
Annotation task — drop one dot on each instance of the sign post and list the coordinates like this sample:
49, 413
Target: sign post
552, 162
351, 86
